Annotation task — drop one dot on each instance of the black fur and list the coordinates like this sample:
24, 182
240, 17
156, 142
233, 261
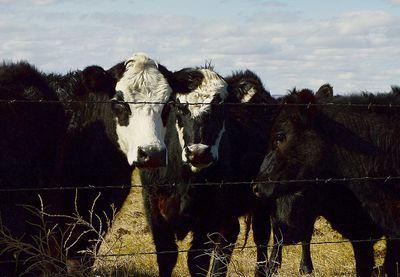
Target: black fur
66, 143
329, 141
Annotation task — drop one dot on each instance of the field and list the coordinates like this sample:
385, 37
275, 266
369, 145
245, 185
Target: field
131, 238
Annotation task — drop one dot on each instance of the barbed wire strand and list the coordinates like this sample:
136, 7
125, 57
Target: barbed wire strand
218, 184
236, 248
367, 105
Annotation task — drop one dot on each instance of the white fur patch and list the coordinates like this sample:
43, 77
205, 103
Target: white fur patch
211, 86
145, 129
249, 94
215, 146
142, 84
180, 135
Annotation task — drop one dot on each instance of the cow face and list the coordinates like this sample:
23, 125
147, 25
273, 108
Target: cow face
141, 111
296, 150
200, 119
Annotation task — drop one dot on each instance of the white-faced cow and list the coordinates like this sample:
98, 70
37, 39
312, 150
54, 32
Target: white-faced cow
340, 141
147, 135
223, 141
57, 131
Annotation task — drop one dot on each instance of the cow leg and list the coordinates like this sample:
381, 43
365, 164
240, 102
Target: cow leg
261, 224
163, 236
167, 250
275, 260
306, 266
392, 258
364, 256
199, 254
224, 247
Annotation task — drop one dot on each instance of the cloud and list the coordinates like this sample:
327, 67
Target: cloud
27, 2
393, 2
355, 23
353, 51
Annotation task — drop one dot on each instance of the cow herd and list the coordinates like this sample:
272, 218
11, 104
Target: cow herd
209, 150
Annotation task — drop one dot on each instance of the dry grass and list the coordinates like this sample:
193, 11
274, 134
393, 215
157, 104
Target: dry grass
130, 234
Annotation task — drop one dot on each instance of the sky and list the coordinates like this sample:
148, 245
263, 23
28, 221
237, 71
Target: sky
352, 44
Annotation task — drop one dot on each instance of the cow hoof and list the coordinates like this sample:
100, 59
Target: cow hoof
305, 269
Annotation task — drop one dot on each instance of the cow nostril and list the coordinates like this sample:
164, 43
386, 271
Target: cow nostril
255, 189
151, 156
143, 156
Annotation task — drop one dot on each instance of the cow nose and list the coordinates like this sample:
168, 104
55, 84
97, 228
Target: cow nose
256, 190
151, 156
199, 154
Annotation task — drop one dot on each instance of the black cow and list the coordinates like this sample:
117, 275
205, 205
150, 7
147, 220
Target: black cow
52, 137
331, 141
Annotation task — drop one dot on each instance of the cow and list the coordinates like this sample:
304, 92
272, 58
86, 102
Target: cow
60, 162
144, 101
349, 143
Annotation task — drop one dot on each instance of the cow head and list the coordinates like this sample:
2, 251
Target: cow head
296, 150
200, 119
141, 110
96, 79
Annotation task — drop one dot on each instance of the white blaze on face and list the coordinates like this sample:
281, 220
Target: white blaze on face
145, 129
215, 147
211, 86
142, 82
180, 135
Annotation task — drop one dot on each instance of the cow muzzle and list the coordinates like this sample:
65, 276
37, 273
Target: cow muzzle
256, 190
199, 156
151, 157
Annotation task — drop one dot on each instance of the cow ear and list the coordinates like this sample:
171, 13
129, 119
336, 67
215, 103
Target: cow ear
395, 90
306, 102
97, 80
325, 92
186, 80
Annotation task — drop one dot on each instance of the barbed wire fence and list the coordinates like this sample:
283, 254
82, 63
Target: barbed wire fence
56, 187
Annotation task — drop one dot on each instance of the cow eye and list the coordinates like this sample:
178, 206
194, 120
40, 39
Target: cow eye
182, 109
120, 108
279, 138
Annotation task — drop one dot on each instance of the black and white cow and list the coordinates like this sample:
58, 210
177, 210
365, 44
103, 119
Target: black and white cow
147, 135
223, 141
57, 132
332, 142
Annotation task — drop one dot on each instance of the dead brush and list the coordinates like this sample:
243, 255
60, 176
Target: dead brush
48, 249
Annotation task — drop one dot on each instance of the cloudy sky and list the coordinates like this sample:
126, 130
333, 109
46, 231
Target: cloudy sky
353, 44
